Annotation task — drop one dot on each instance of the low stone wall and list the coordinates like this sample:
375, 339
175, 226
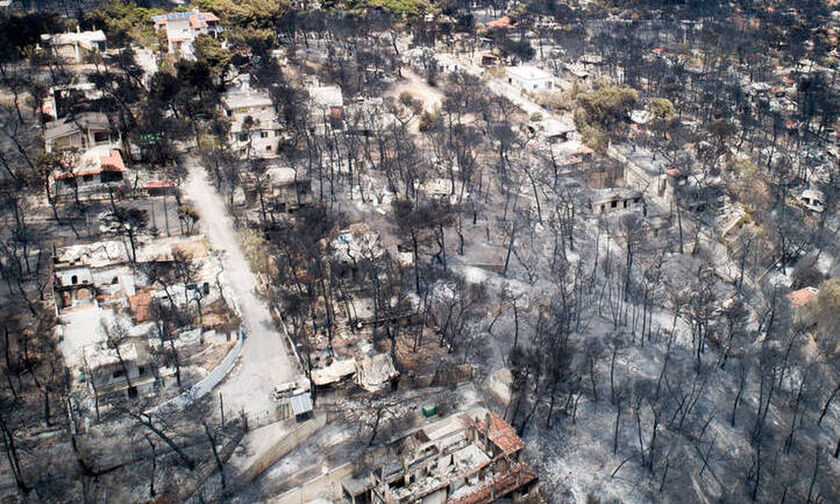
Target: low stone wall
206, 384
295, 437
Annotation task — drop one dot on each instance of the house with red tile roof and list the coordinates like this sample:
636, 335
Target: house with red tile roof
803, 302
183, 27
89, 175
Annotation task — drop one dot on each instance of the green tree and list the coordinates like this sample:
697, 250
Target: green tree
602, 113
209, 51
663, 113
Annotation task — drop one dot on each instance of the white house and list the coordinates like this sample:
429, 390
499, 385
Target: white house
254, 129
79, 133
73, 47
183, 27
530, 78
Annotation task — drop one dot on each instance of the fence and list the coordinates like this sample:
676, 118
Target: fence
206, 384
297, 435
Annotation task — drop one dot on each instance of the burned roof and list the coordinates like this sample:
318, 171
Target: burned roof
500, 433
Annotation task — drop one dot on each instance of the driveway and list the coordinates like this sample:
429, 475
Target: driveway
264, 361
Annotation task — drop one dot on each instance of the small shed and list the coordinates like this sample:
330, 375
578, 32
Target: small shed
301, 406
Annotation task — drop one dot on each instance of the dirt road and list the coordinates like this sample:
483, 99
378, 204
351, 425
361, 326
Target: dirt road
264, 361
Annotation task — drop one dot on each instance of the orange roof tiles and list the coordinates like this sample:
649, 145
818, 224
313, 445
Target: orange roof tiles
501, 433
161, 184
802, 297
503, 23
518, 476
141, 306
111, 162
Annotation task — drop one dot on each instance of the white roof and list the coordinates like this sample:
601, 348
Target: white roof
528, 73
301, 403
640, 116
248, 99
327, 96
281, 174
86, 37
554, 127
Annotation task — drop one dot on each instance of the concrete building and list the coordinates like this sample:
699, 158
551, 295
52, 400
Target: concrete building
644, 172
79, 133
605, 201
552, 130
467, 458
182, 28
74, 47
254, 129
288, 191
529, 78
327, 105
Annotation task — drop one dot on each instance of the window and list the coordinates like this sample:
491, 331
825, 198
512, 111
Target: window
118, 373
614, 204
114, 281
263, 134
229, 112
74, 279
88, 178
243, 137
141, 370
132, 392
277, 132
268, 148
100, 136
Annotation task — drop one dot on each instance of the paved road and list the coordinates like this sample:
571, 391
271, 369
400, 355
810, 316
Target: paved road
264, 361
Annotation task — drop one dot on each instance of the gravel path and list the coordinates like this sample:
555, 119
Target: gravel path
264, 361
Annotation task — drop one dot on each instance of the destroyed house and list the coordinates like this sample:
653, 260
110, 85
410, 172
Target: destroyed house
112, 372
327, 105
604, 201
288, 191
82, 274
460, 459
